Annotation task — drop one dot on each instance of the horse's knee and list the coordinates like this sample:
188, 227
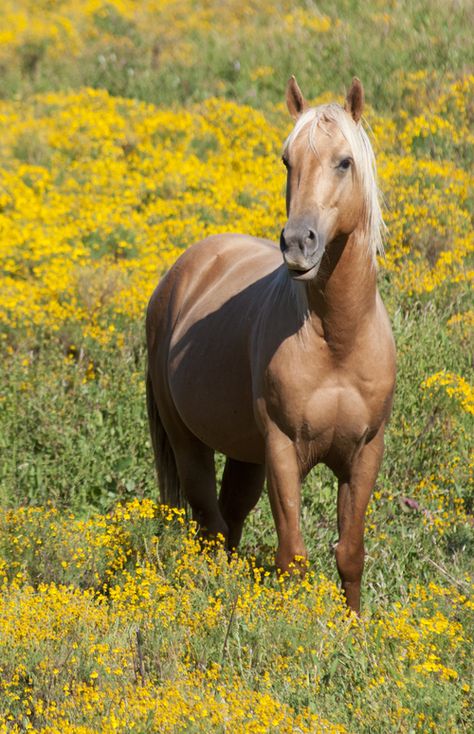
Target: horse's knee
350, 561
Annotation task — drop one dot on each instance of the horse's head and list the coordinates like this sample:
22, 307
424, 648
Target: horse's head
331, 189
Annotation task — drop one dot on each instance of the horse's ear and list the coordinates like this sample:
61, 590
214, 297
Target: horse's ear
294, 98
355, 99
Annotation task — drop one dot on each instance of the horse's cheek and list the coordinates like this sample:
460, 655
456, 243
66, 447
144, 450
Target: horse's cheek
349, 214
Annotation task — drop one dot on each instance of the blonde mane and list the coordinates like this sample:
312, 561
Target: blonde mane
373, 226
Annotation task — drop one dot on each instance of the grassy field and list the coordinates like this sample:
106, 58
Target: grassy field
128, 131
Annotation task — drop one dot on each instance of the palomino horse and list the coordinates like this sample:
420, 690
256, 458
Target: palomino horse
280, 358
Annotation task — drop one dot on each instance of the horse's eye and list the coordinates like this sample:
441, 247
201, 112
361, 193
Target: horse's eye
345, 164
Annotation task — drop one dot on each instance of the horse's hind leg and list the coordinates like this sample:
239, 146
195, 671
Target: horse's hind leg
195, 466
242, 485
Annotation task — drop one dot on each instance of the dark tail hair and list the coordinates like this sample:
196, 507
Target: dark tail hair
168, 480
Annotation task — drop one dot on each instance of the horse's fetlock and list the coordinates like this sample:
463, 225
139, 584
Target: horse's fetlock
292, 561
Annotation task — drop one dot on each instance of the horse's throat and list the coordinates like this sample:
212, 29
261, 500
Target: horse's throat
344, 298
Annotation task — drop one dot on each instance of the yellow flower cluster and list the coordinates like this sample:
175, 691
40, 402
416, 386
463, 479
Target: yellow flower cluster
175, 636
454, 385
108, 194
428, 212
99, 195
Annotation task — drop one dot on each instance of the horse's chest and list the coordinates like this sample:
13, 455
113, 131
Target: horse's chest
326, 415
333, 418
334, 415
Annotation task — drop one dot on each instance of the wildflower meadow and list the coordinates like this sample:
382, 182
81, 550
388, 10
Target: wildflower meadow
129, 130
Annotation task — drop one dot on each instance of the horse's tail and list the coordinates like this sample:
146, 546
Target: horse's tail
168, 480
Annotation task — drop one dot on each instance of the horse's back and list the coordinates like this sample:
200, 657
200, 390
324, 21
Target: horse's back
199, 323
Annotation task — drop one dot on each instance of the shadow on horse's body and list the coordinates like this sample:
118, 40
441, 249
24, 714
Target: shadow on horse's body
280, 363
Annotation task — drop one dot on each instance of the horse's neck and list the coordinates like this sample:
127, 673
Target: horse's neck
342, 297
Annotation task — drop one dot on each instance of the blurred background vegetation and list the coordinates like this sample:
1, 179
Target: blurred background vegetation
176, 53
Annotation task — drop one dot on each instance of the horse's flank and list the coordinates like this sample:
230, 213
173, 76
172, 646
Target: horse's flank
280, 363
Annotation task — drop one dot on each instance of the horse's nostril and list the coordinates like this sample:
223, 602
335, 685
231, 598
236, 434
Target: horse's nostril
311, 234
282, 241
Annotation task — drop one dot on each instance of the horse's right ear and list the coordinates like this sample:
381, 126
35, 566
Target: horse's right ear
294, 98
355, 99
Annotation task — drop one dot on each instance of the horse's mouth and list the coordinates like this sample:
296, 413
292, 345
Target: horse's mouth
304, 274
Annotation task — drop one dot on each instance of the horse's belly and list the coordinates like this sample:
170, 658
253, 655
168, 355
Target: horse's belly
210, 385
218, 418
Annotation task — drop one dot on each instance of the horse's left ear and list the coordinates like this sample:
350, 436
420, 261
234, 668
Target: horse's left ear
355, 99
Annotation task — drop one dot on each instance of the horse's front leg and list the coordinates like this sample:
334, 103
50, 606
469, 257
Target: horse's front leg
352, 501
284, 489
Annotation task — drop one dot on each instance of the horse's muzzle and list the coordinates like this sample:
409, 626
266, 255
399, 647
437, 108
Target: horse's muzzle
302, 248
